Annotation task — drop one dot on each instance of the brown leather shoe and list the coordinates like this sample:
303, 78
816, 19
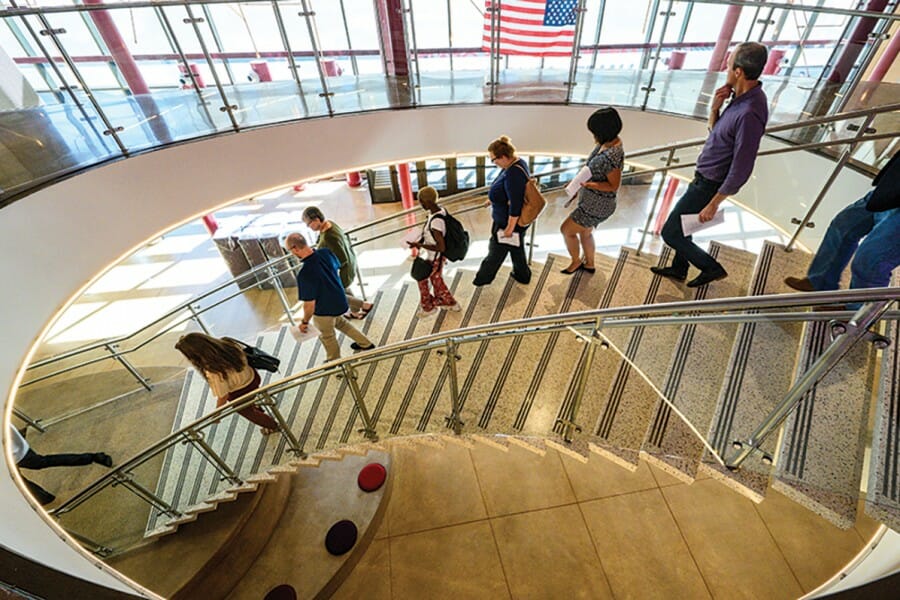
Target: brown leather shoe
801, 285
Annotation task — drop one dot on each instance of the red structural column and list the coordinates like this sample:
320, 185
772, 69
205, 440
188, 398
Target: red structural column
354, 179
406, 194
856, 43
887, 59
774, 62
726, 32
390, 24
211, 224
663, 213
129, 69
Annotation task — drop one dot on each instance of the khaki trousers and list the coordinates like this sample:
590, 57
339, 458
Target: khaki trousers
326, 327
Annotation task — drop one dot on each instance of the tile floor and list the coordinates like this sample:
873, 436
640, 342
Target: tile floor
483, 523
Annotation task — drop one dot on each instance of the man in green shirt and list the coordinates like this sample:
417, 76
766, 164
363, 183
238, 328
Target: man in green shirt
331, 236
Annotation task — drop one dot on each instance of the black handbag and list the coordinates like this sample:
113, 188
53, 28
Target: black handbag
421, 269
257, 358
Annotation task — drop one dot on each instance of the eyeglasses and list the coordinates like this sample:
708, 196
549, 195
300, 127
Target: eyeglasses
495, 158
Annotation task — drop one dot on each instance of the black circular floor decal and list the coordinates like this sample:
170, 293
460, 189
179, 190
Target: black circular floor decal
282, 592
341, 537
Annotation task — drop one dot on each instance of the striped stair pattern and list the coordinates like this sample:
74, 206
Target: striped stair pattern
695, 374
544, 363
883, 486
631, 401
820, 459
759, 373
626, 286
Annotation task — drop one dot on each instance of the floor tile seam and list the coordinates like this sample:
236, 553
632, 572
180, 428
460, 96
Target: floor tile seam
490, 525
687, 544
780, 549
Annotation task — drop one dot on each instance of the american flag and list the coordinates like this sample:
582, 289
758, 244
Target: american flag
532, 27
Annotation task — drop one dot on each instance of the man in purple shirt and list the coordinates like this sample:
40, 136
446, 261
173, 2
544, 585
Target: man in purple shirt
725, 162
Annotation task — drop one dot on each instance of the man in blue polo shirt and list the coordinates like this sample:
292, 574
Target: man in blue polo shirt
323, 297
725, 163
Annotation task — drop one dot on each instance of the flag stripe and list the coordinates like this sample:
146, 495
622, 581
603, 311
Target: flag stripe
530, 27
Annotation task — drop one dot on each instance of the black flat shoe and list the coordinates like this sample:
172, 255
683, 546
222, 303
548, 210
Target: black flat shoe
356, 346
669, 272
568, 272
707, 277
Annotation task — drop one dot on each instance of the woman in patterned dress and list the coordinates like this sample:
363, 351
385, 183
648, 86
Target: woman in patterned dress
597, 198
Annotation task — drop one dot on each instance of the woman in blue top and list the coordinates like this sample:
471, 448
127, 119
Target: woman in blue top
507, 196
597, 198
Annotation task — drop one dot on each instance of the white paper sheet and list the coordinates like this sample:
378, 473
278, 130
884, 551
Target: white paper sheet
574, 186
301, 337
512, 240
690, 224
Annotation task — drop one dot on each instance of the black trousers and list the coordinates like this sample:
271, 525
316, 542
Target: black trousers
33, 460
497, 254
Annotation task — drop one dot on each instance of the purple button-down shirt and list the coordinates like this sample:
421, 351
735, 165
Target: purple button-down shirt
730, 150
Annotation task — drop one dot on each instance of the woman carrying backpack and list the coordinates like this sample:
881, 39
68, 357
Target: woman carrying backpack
431, 250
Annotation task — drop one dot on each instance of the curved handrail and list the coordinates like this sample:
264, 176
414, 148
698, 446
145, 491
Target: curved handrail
682, 312
454, 200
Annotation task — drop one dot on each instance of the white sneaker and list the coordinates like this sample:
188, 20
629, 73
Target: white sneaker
452, 308
425, 314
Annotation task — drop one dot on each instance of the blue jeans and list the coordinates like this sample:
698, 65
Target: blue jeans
695, 199
875, 257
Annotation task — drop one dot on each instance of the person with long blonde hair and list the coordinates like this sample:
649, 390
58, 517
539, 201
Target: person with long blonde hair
223, 364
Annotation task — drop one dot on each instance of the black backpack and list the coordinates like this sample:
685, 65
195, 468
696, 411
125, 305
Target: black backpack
456, 238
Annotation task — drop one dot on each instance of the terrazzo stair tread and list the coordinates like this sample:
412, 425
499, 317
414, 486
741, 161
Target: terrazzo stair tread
506, 385
820, 458
538, 445
631, 401
264, 477
882, 491
414, 377
321, 400
159, 532
555, 359
496, 359
500, 442
630, 284
463, 440
336, 399
759, 374
310, 462
695, 374
579, 449
485, 304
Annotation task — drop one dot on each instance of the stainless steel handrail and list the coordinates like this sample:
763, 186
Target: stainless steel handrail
459, 198
679, 313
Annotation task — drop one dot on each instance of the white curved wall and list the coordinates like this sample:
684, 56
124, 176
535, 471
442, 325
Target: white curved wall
56, 241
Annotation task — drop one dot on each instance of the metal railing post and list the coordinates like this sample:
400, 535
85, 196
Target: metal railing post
569, 424
368, 428
294, 446
845, 336
128, 366
531, 241
845, 156
453, 419
279, 289
195, 438
196, 317
669, 160
92, 546
126, 479
28, 420
362, 285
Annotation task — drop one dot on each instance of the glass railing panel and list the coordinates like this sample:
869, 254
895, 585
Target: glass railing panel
452, 66
351, 56
49, 126
253, 63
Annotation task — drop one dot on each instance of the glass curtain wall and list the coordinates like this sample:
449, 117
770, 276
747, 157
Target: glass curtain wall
82, 84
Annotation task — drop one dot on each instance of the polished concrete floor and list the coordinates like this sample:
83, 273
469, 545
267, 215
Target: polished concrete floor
463, 522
